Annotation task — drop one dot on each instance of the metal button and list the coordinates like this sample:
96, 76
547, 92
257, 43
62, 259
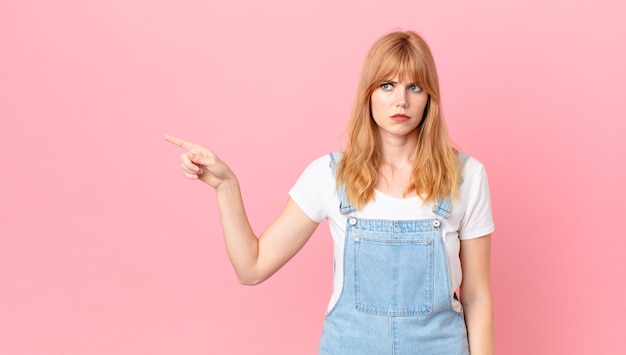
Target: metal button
356, 238
352, 221
436, 223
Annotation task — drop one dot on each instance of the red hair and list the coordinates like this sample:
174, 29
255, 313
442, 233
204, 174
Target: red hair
436, 171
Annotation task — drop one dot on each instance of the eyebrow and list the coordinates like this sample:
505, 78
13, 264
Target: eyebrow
395, 82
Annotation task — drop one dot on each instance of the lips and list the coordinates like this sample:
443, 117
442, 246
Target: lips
400, 117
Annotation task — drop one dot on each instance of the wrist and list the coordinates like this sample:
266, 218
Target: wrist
228, 185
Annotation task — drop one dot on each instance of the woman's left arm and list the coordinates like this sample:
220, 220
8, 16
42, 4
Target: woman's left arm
476, 294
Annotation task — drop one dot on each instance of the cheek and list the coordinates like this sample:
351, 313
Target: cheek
377, 105
420, 103
375, 111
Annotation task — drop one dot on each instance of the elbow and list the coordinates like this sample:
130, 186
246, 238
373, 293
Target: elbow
250, 280
474, 299
252, 275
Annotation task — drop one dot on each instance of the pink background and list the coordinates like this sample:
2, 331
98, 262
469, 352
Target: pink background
106, 249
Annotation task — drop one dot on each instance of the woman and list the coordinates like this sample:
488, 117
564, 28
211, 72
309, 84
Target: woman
407, 213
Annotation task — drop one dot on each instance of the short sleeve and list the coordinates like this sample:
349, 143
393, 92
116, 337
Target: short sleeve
477, 220
314, 190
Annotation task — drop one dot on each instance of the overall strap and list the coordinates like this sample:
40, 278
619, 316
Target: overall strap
444, 205
344, 205
441, 208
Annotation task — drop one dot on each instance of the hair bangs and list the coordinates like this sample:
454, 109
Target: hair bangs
436, 171
400, 62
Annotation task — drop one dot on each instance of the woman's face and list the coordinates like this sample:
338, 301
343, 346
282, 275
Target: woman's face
398, 107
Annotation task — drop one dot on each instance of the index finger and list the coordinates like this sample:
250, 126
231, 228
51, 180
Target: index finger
179, 142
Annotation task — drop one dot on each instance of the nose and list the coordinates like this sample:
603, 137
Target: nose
402, 99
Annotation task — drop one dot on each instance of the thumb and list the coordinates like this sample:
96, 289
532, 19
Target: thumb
202, 159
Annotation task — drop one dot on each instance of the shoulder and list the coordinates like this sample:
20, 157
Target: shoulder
473, 163
475, 219
319, 173
473, 169
475, 184
325, 164
314, 191
322, 165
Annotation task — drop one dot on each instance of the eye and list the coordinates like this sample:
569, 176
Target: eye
386, 86
414, 88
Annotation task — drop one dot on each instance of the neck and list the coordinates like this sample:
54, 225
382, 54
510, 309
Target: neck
398, 151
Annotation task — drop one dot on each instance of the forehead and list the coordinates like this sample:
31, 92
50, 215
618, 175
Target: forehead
401, 78
405, 79
403, 69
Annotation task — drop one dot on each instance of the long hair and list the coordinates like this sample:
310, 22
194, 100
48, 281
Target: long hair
436, 170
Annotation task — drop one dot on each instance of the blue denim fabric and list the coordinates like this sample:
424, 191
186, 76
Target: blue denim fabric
396, 293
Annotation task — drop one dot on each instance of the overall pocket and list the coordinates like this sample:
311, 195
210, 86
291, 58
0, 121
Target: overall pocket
392, 276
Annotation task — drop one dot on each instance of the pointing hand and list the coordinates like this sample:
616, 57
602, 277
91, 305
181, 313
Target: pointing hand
201, 163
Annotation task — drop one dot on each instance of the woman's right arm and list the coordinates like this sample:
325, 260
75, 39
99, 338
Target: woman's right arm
254, 258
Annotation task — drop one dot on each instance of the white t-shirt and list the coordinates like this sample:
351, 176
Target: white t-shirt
315, 193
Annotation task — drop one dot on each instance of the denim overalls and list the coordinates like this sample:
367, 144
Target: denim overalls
396, 296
